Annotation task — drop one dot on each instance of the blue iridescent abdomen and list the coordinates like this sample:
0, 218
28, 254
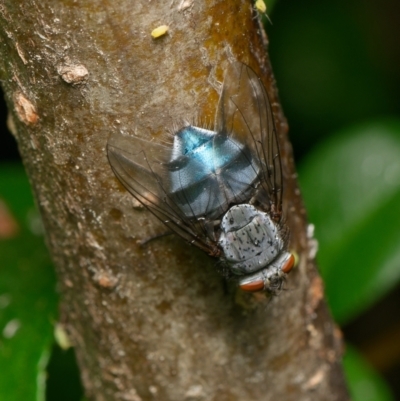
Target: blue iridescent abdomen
208, 172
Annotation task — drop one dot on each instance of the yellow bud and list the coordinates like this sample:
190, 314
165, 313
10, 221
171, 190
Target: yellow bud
159, 31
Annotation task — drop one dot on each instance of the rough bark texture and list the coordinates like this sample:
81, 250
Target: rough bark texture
156, 322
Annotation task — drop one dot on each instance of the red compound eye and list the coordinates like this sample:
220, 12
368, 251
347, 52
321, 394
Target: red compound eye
288, 265
252, 286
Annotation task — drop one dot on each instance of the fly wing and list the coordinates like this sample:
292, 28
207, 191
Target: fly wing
244, 113
141, 167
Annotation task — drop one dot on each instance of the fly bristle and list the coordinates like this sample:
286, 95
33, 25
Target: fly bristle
180, 124
224, 270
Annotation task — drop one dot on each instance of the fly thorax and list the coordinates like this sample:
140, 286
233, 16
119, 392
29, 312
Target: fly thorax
249, 239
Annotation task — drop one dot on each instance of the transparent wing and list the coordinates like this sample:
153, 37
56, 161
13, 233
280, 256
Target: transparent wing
141, 167
244, 113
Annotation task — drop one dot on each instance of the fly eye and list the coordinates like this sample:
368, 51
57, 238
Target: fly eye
288, 265
253, 285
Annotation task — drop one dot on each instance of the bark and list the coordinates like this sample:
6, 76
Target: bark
153, 322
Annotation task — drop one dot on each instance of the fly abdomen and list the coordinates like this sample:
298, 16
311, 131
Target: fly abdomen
207, 173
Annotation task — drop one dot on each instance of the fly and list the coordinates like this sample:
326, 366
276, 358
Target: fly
220, 189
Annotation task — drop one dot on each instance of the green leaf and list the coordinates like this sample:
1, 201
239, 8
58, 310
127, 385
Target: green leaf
351, 187
364, 383
313, 49
63, 380
28, 302
270, 5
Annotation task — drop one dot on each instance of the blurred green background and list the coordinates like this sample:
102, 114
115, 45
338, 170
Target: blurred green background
337, 70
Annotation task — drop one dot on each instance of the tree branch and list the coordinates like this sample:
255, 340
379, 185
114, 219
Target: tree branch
154, 322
